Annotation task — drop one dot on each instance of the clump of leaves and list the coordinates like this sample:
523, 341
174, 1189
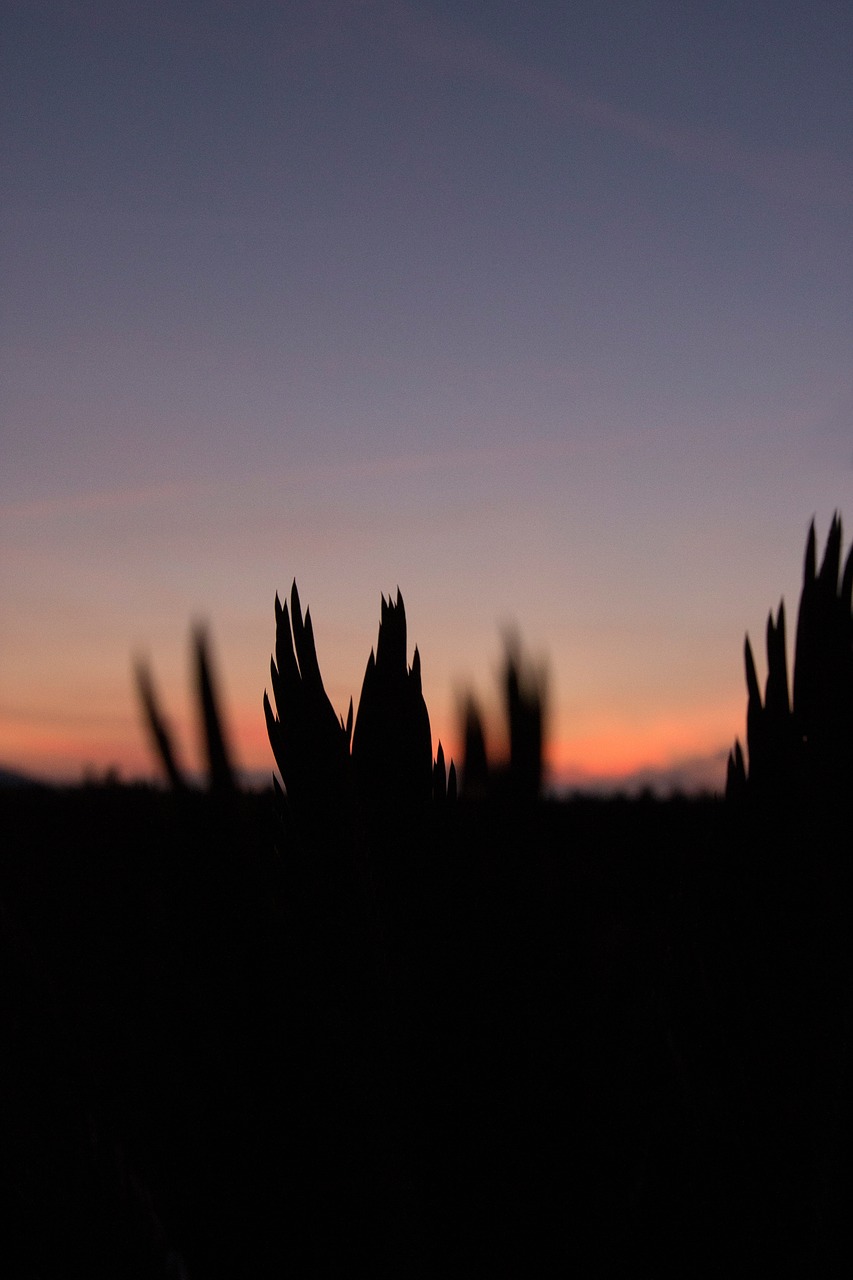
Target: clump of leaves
800, 747
382, 764
520, 777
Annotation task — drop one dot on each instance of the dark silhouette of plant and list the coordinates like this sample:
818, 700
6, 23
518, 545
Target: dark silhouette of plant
221, 775
383, 766
444, 785
220, 768
475, 767
801, 750
311, 745
594, 1033
525, 703
392, 743
158, 729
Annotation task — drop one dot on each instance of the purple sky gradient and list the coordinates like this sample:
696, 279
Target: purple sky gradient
542, 313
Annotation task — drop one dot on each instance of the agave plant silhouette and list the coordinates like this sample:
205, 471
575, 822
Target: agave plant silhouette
385, 763
382, 765
803, 748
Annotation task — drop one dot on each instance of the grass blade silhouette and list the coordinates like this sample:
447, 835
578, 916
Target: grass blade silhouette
158, 729
221, 776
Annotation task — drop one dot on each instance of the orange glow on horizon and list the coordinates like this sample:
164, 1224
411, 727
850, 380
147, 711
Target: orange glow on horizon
617, 750
613, 749
66, 755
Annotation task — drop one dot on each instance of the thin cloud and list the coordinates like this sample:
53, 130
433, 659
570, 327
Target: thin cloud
173, 494
810, 176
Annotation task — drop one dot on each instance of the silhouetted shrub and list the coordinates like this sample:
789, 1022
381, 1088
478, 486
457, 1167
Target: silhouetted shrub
379, 771
800, 750
518, 779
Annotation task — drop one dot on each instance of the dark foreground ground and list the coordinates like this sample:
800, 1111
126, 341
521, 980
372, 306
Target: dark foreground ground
592, 1036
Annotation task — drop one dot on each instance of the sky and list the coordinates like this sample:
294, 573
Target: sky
539, 312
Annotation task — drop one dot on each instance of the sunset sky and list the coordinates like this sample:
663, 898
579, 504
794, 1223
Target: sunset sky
542, 312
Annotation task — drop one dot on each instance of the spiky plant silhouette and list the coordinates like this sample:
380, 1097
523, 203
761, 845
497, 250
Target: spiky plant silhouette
800, 748
311, 745
392, 743
383, 764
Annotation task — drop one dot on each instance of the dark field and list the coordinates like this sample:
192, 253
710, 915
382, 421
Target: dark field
525, 1038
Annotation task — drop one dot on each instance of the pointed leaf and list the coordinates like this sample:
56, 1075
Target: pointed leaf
809, 568
832, 557
751, 677
158, 728
847, 584
222, 779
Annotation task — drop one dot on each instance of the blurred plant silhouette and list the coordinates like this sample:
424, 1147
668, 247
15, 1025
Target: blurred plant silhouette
520, 779
800, 750
220, 769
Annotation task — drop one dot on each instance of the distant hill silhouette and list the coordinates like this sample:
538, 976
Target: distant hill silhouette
12, 778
